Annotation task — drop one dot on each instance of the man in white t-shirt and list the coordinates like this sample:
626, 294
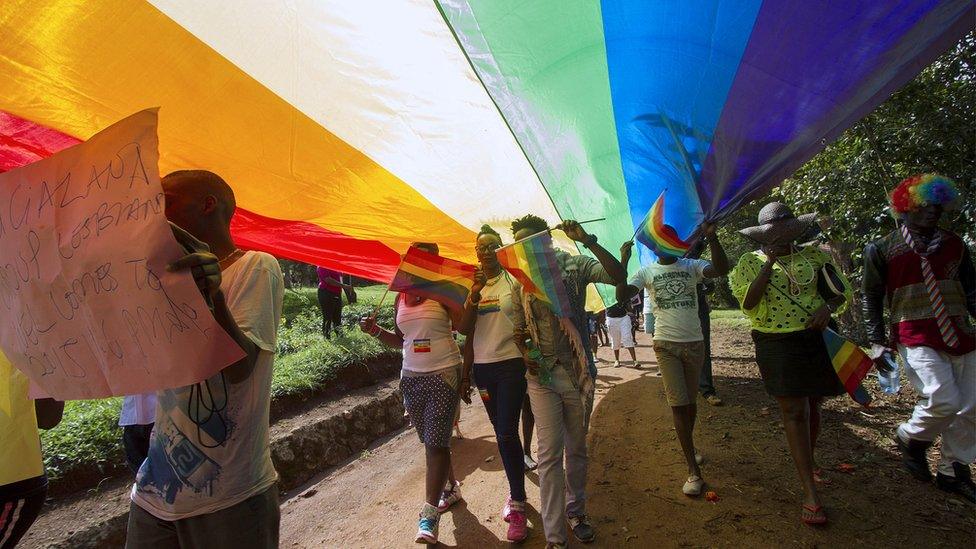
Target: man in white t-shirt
208, 480
621, 334
671, 284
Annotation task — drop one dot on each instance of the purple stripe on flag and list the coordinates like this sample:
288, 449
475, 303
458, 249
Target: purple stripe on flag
843, 59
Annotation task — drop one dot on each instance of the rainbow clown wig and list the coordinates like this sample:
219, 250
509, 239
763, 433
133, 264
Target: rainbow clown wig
926, 189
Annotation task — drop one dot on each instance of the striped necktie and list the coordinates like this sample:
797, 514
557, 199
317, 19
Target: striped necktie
932, 285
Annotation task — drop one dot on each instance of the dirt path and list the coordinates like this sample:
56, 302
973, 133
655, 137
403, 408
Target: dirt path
636, 475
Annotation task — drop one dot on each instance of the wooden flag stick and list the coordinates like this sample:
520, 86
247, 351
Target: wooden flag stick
592, 220
376, 311
560, 226
637, 230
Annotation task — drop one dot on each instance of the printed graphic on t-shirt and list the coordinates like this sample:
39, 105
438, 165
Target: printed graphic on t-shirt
674, 290
180, 460
489, 305
421, 345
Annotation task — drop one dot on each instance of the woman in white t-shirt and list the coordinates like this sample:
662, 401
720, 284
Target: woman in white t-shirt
429, 382
499, 370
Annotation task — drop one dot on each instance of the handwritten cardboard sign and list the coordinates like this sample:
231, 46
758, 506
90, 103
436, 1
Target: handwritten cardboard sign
88, 309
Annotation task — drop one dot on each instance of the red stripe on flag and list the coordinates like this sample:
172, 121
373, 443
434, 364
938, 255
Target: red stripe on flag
310, 243
23, 141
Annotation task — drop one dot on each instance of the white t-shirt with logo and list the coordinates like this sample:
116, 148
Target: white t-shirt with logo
673, 293
494, 329
213, 456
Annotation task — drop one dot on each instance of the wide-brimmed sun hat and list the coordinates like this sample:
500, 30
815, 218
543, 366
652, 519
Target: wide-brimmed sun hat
778, 225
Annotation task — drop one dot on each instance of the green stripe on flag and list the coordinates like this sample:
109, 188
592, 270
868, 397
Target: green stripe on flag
544, 64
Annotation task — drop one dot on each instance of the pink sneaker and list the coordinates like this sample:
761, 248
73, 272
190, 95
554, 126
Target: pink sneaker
512, 505
517, 528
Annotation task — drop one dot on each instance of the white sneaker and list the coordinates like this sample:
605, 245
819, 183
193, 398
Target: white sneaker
449, 496
530, 464
616, 363
693, 486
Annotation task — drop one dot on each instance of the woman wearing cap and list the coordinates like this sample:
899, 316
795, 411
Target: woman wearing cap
429, 381
499, 370
777, 289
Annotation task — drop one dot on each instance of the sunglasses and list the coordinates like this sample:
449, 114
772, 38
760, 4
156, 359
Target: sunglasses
484, 249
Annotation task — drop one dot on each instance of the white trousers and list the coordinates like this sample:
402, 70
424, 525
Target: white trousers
560, 429
947, 407
621, 332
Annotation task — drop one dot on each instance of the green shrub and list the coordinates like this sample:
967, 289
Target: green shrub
298, 300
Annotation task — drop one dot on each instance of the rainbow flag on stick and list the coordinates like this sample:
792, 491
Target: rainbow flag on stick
532, 261
654, 234
444, 280
851, 364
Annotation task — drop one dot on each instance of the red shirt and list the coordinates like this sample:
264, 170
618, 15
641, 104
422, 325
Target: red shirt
913, 323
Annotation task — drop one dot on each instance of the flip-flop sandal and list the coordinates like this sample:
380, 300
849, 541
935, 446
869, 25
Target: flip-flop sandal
819, 478
818, 515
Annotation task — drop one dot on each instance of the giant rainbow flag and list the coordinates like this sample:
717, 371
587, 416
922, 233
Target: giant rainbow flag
425, 274
349, 129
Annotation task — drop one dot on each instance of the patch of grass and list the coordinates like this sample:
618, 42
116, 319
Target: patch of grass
729, 317
297, 300
312, 361
89, 433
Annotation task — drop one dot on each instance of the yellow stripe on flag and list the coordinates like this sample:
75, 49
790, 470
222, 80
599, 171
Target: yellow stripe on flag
81, 66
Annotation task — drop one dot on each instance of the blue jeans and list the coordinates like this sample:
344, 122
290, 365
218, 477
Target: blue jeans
502, 388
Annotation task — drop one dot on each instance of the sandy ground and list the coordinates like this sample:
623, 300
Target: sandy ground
636, 473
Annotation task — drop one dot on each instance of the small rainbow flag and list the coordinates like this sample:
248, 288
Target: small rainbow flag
850, 363
444, 280
654, 234
532, 261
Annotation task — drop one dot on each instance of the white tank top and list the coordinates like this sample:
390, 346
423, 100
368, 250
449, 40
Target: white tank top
428, 345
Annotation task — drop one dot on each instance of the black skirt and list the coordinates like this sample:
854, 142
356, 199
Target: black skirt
796, 364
